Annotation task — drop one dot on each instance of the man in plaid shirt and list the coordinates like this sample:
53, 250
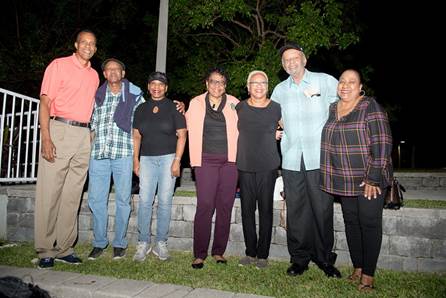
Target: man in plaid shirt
112, 154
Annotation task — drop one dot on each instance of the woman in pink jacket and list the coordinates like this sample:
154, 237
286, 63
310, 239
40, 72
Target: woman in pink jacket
212, 126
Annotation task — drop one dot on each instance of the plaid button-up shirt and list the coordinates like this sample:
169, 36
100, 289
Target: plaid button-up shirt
110, 141
356, 148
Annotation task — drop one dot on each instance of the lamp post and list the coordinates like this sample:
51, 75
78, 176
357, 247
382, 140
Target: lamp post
399, 153
161, 49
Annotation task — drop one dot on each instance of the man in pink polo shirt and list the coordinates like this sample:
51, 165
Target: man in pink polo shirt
66, 104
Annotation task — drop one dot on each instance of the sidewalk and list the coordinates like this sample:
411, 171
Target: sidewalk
425, 194
73, 285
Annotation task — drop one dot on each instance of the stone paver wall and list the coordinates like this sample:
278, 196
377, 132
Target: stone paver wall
413, 239
420, 181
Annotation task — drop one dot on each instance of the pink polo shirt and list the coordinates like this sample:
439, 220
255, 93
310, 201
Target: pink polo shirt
71, 88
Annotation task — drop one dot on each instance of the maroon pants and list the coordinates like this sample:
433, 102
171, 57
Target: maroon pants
216, 182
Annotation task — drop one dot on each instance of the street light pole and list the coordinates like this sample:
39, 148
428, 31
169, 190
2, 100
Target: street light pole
399, 153
161, 48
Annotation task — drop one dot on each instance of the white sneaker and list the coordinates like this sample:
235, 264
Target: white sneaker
160, 250
142, 250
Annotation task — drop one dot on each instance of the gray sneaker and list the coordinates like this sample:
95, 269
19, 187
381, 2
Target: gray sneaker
160, 250
245, 261
261, 263
142, 250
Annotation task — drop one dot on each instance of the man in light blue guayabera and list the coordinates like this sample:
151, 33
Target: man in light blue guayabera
305, 97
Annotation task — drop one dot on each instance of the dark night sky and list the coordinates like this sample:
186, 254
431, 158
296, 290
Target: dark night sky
399, 43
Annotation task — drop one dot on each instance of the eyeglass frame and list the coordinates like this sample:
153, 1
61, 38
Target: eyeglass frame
216, 82
262, 83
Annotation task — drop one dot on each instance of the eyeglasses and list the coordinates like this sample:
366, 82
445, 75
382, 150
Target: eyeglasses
262, 83
215, 83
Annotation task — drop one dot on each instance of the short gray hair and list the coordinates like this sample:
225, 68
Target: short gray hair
253, 73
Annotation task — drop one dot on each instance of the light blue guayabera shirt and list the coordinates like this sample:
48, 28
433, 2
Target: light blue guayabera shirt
304, 113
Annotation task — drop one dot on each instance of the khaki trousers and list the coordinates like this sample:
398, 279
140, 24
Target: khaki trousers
59, 190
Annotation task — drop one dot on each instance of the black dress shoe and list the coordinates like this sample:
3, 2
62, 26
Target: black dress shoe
222, 261
332, 256
296, 269
197, 265
330, 270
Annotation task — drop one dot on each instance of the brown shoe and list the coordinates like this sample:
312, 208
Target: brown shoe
198, 263
220, 259
355, 276
365, 288
366, 284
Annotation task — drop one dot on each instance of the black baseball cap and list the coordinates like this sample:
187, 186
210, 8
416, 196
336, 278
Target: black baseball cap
104, 64
158, 76
290, 45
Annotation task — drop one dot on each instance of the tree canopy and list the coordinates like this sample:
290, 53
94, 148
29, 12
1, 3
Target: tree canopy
35, 32
240, 35
244, 35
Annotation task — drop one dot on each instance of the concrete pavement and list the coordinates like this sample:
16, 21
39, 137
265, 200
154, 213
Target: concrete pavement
425, 194
63, 284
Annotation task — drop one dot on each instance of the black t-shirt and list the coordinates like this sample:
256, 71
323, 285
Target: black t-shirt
257, 146
215, 138
157, 122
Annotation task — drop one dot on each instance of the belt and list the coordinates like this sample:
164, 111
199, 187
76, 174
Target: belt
71, 122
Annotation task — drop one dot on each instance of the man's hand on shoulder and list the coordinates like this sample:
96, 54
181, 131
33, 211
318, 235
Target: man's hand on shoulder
181, 107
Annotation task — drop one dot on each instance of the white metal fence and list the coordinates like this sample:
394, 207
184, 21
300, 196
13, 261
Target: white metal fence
20, 141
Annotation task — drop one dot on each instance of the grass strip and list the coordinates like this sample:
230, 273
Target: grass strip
425, 204
271, 281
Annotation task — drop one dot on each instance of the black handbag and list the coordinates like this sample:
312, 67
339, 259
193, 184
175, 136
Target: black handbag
394, 196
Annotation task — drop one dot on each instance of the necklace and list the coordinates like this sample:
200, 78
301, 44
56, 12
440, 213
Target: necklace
156, 109
214, 105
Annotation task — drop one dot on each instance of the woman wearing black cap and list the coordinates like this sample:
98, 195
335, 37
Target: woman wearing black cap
159, 135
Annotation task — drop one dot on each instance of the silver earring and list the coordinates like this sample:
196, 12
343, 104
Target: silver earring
362, 93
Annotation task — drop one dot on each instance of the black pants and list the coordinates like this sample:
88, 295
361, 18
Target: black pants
310, 235
257, 188
363, 229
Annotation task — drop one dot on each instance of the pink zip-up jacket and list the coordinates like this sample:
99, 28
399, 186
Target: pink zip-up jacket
195, 125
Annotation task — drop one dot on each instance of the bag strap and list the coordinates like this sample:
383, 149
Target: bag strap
399, 188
